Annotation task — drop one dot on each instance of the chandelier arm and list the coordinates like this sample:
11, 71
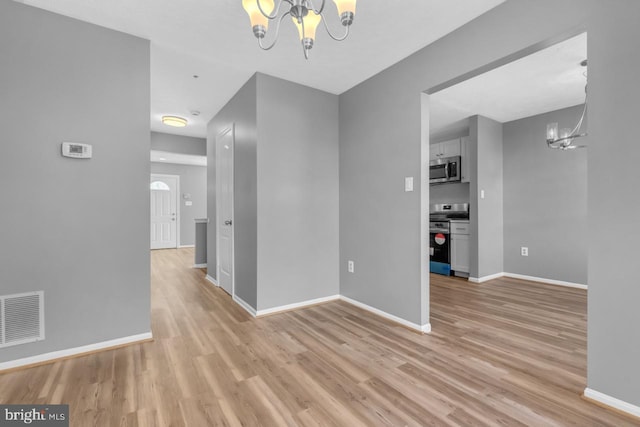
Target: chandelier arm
326, 27
584, 112
275, 15
317, 11
275, 39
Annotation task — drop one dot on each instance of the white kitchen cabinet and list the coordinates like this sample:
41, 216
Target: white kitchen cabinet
465, 175
460, 247
445, 149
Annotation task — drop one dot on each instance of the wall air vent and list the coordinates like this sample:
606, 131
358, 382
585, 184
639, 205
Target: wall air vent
21, 318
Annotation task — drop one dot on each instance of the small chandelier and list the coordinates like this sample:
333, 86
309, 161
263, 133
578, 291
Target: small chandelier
304, 15
563, 140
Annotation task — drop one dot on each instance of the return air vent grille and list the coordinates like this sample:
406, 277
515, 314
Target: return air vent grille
21, 318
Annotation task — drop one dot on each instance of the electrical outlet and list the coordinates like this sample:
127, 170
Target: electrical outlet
350, 266
524, 251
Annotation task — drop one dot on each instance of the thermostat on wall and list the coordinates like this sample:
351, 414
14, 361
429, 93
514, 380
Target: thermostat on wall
76, 150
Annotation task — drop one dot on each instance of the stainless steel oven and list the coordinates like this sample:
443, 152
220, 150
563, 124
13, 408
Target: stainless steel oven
444, 170
439, 234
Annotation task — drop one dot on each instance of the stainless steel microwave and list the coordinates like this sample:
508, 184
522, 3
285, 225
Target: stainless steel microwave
444, 170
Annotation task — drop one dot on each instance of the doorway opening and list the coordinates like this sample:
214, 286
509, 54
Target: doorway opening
526, 203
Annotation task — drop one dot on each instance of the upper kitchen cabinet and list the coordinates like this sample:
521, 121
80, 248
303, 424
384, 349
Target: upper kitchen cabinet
444, 149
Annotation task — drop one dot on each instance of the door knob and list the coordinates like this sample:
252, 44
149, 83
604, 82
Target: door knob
228, 222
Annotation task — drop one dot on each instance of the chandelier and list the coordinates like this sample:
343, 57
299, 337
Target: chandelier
304, 15
563, 139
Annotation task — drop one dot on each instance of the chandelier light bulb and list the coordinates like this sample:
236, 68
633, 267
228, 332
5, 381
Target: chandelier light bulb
311, 22
259, 22
552, 131
346, 10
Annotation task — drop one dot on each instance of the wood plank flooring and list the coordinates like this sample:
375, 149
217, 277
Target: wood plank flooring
508, 352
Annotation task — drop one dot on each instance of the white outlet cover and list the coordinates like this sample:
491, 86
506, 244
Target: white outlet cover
350, 266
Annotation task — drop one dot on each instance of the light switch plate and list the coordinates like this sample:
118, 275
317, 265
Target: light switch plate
188, 203
408, 183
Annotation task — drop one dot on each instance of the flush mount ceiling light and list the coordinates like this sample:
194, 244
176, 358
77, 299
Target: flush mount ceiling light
174, 121
563, 139
304, 15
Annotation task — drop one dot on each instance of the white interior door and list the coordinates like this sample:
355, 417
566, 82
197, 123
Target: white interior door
164, 211
224, 208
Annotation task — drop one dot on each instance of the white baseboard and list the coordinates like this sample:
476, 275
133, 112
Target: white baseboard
211, 279
296, 305
200, 265
426, 328
530, 278
486, 278
242, 303
548, 281
76, 351
612, 402
186, 246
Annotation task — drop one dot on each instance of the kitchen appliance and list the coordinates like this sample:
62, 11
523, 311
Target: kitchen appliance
445, 170
439, 234
439, 250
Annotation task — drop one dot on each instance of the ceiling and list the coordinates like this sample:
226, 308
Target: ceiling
545, 81
213, 40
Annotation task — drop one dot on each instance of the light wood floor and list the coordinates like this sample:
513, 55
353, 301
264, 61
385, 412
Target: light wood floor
507, 352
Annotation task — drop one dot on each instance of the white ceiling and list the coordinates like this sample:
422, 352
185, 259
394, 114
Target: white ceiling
213, 39
544, 81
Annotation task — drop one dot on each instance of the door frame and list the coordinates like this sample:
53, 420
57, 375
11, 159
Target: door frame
228, 129
178, 198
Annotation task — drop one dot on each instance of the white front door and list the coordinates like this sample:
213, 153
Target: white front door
224, 208
164, 211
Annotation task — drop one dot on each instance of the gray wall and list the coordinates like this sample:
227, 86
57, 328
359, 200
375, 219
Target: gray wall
77, 229
486, 216
178, 144
288, 253
193, 180
545, 200
380, 222
613, 177
240, 110
297, 193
